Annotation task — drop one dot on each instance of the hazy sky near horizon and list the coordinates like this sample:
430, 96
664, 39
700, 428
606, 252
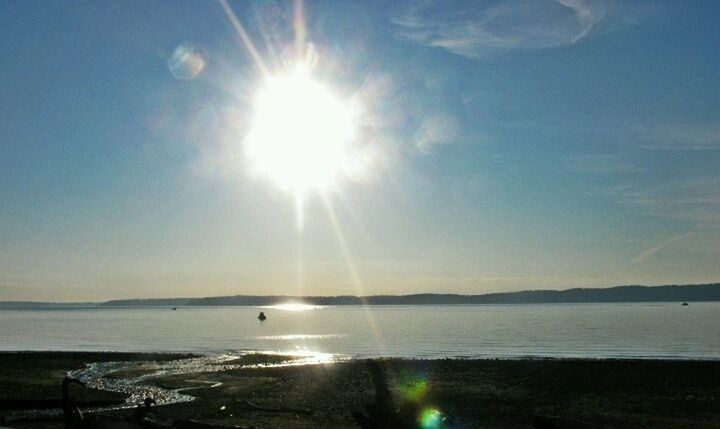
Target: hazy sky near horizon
512, 145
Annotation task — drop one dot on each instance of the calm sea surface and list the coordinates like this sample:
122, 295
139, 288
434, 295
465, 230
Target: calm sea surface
653, 330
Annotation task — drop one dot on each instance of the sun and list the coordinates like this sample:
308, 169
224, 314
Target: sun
300, 132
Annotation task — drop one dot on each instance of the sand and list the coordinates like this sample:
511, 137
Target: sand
468, 393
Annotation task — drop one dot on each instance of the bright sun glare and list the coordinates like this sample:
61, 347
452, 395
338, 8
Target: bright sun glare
300, 132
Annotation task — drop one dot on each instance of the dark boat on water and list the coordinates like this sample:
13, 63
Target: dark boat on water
261, 316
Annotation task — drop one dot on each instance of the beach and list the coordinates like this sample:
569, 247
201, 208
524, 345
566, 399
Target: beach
245, 391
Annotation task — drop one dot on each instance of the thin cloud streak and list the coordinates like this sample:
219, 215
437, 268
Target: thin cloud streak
600, 164
696, 200
672, 137
647, 253
481, 32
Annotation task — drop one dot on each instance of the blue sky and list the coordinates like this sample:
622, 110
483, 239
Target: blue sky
515, 145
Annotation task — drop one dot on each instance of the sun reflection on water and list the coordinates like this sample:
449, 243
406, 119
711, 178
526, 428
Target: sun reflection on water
293, 306
301, 356
292, 337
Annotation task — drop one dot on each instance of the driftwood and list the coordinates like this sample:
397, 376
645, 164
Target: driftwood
277, 410
551, 422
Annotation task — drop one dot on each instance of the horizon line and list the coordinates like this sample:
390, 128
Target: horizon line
356, 296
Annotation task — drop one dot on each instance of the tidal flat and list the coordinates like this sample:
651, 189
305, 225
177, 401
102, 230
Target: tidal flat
271, 390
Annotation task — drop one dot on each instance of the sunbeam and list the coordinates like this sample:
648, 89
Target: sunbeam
301, 138
355, 277
300, 28
247, 42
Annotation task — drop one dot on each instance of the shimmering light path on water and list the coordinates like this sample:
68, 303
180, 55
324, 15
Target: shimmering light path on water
645, 330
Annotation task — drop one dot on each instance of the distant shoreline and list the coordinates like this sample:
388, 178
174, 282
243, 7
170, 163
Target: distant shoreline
103, 306
116, 355
619, 294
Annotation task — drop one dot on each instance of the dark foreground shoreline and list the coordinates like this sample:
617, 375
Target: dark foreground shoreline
471, 393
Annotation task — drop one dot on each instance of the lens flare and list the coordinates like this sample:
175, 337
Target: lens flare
415, 391
187, 62
430, 418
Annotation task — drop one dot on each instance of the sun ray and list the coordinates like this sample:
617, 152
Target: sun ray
249, 46
299, 213
300, 29
355, 277
300, 265
300, 138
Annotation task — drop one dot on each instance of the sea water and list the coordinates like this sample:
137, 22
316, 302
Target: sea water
617, 330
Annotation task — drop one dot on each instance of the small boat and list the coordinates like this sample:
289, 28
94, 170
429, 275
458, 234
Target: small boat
684, 303
174, 308
261, 316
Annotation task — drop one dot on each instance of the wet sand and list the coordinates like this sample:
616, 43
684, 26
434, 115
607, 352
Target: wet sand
470, 393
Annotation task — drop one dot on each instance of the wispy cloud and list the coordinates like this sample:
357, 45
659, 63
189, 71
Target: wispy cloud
436, 130
647, 253
477, 31
600, 164
696, 200
690, 246
698, 136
